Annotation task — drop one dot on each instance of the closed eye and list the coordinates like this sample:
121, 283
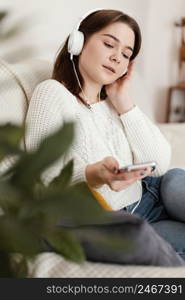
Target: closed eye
126, 56
108, 45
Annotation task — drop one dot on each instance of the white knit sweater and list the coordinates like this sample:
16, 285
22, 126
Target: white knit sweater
99, 133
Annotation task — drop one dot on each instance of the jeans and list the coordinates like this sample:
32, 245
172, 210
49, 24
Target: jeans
163, 206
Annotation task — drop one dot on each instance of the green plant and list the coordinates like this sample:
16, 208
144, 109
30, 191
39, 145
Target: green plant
31, 210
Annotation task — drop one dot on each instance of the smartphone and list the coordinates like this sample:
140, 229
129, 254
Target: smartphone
135, 167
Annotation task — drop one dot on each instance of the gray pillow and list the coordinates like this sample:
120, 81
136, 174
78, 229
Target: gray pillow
135, 241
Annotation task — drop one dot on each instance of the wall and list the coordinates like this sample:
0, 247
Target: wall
48, 23
161, 55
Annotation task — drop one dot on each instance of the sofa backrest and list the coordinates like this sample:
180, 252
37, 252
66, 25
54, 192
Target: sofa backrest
17, 82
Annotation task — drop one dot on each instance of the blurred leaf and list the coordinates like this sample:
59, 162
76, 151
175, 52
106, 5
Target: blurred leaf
32, 212
19, 265
64, 178
16, 29
16, 237
10, 138
57, 203
6, 149
10, 197
11, 134
38, 190
30, 166
3, 14
82, 200
66, 244
5, 265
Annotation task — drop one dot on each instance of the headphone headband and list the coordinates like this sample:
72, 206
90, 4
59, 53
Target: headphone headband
85, 16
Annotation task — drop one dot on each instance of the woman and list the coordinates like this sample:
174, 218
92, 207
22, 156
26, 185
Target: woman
91, 85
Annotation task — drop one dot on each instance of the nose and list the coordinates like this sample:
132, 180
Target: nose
115, 57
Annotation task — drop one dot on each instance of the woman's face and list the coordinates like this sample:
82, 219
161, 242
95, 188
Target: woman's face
106, 54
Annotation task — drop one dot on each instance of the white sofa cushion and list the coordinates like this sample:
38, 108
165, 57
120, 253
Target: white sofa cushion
51, 265
175, 134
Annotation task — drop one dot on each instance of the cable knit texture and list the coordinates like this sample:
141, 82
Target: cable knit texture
99, 132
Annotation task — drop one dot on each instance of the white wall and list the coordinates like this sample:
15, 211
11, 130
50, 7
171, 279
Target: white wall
161, 55
50, 21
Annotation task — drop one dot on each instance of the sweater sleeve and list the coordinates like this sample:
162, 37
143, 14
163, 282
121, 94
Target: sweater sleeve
146, 141
46, 113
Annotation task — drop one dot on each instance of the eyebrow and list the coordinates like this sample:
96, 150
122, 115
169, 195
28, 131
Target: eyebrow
117, 40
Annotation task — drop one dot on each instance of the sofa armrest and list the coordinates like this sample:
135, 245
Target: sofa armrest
175, 134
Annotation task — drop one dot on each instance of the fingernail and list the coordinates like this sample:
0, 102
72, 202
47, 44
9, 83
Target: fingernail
143, 173
115, 170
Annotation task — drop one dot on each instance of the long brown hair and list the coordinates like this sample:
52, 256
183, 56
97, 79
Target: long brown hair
94, 22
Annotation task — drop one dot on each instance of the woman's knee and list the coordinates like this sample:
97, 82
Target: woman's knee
174, 172
159, 252
173, 183
172, 192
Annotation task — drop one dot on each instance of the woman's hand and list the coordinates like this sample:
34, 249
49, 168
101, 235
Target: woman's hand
118, 92
106, 171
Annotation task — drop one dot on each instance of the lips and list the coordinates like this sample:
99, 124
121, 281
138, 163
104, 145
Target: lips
110, 69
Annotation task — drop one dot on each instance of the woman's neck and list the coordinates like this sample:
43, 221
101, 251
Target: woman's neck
91, 94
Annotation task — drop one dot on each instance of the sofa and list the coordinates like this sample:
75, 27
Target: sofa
17, 82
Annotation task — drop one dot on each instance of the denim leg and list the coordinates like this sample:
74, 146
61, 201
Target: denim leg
150, 207
172, 190
162, 203
174, 233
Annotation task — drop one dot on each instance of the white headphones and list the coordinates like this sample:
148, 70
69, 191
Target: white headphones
76, 38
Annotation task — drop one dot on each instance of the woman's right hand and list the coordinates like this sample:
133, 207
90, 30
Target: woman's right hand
106, 172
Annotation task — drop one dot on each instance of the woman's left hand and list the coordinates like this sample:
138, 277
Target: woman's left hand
118, 92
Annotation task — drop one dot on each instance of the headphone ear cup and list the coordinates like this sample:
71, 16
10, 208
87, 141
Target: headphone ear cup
75, 42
